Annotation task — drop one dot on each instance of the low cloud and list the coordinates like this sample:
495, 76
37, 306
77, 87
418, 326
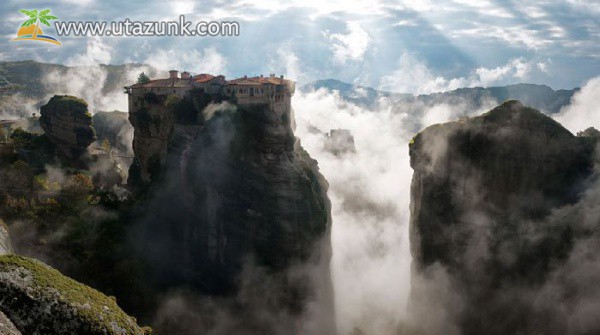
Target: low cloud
414, 76
370, 194
208, 60
96, 52
583, 112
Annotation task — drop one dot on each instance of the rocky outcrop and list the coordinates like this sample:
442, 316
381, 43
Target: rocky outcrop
39, 300
256, 190
153, 125
499, 206
5, 245
68, 125
242, 213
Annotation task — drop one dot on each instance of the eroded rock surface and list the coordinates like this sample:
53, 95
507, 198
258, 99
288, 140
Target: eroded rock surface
243, 210
502, 206
68, 125
153, 124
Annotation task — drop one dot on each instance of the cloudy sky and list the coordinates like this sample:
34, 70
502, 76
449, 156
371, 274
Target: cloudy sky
415, 46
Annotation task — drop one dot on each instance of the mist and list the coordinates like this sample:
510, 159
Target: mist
583, 110
370, 194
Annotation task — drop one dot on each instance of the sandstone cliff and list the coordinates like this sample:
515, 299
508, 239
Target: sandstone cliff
500, 204
243, 210
153, 124
68, 125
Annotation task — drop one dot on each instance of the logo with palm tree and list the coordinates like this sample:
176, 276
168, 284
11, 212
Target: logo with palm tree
30, 29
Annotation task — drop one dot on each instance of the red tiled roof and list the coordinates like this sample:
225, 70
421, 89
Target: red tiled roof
257, 80
168, 82
203, 78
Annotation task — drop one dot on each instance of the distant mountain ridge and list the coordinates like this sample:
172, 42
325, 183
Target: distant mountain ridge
362, 95
27, 85
26, 77
28, 81
540, 97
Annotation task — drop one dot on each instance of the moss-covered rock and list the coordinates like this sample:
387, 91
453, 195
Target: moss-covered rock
40, 300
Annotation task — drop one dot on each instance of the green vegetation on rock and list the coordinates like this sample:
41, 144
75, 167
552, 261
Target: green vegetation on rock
143, 78
39, 299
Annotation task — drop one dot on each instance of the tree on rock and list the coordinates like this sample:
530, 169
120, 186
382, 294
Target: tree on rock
143, 78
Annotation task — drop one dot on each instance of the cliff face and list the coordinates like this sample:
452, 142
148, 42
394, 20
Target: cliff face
243, 210
153, 124
500, 201
256, 188
68, 125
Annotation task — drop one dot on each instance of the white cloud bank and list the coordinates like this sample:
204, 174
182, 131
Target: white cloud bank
208, 60
370, 194
584, 110
414, 76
